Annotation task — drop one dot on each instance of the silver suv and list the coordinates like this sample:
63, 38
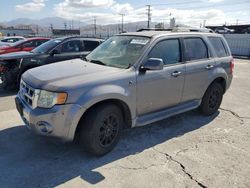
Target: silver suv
130, 80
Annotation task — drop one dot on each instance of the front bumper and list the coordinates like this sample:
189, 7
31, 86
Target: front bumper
59, 121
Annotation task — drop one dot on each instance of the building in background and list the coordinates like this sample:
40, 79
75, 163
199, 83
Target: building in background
238, 29
11, 31
172, 23
65, 32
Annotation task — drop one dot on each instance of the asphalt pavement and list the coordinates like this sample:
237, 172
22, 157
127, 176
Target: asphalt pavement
187, 150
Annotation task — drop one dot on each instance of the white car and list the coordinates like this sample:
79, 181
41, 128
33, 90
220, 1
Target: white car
9, 40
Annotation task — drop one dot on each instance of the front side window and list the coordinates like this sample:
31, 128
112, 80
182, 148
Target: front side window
28, 44
47, 46
119, 51
218, 46
71, 46
168, 51
195, 49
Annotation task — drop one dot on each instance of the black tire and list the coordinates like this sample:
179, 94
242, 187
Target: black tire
7, 81
212, 99
100, 129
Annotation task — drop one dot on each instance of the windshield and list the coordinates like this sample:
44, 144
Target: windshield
47, 46
118, 51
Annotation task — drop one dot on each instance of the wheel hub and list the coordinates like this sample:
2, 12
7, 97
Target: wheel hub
108, 130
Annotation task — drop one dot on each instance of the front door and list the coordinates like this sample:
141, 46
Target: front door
157, 90
68, 50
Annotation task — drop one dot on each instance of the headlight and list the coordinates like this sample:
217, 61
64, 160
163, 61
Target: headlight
47, 99
1, 51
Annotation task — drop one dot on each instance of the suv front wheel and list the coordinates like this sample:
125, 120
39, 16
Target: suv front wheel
100, 129
212, 99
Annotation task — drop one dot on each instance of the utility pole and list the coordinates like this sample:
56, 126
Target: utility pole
95, 24
149, 14
122, 21
204, 23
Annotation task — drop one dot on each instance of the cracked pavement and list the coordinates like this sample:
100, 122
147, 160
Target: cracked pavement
187, 150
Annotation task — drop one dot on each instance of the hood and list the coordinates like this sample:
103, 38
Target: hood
68, 74
18, 55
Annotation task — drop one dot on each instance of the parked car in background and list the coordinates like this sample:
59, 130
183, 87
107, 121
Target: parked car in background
246, 30
224, 30
12, 65
23, 45
9, 40
130, 80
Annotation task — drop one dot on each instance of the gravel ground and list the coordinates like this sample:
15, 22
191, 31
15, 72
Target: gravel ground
187, 150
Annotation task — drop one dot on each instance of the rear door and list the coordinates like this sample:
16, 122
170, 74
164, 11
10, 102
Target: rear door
89, 46
157, 90
222, 52
199, 66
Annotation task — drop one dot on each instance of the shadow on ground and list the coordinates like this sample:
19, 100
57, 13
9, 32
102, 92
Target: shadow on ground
6, 93
28, 160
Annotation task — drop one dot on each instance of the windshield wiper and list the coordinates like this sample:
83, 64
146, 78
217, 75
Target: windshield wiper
97, 62
85, 59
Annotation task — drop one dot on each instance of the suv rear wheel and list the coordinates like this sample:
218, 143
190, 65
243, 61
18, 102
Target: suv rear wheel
212, 99
100, 129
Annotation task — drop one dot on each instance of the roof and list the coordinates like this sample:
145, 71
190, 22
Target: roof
78, 37
36, 38
165, 33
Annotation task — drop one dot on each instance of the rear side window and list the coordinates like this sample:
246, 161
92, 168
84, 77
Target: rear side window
195, 49
90, 45
168, 51
218, 46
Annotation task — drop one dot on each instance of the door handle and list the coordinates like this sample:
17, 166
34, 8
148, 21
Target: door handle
208, 67
176, 73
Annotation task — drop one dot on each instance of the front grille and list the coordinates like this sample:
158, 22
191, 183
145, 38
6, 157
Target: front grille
27, 94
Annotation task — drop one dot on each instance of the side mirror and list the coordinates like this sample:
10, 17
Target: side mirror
152, 64
55, 51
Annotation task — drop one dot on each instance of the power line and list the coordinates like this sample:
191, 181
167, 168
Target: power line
202, 7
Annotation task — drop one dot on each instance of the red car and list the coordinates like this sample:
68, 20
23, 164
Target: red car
24, 45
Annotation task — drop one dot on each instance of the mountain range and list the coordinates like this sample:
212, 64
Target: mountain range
57, 22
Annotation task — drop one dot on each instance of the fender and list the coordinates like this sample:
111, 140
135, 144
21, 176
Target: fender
99, 94
105, 92
218, 72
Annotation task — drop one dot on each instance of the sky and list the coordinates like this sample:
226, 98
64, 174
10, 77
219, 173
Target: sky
190, 12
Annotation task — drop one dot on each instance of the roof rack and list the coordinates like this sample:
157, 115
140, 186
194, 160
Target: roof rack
179, 29
153, 29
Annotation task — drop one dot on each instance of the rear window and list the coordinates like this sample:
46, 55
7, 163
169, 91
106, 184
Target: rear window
90, 45
195, 49
218, 46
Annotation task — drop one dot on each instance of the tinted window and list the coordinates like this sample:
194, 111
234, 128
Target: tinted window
218, 46
71, 46
167, 50
28, 44
90, 45
195, 49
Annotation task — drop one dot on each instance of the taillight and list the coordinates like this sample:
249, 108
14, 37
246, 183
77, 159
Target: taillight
2, 68
232, 66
